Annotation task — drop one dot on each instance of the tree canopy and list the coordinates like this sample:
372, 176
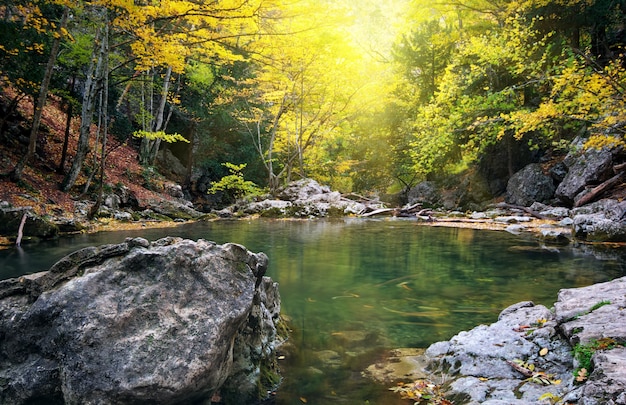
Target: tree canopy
371, 96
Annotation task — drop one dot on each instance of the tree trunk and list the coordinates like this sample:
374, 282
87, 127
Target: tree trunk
92, 85
105, 126
150, 147
596, 191
193, 145
17, 172
68, 125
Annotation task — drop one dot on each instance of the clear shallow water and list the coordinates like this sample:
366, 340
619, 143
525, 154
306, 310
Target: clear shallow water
356, 288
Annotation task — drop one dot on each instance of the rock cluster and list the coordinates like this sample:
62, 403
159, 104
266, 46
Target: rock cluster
172, 321
300, 199
482, 366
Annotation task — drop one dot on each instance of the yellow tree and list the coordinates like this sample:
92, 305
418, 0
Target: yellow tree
156, 41
309, 77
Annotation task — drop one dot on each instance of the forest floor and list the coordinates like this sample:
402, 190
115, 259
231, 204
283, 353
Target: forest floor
39, 187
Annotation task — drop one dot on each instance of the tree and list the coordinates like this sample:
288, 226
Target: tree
94, 80
58, 35
301, 88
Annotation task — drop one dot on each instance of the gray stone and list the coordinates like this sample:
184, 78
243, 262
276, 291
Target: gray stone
175, 209
280, 206
588, 167
515, 229
512, 219
607, 383
170, 164
173, 321
425, 192
302, 190
529, 185
479, 215
112, 201
122, 216
601, 221
593, 312
549, 211
174, 190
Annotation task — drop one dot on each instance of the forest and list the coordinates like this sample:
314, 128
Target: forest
368, 96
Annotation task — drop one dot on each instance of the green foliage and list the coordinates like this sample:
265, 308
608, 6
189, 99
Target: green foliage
235, 183
600, 305
169, 138
584, 352
150, 177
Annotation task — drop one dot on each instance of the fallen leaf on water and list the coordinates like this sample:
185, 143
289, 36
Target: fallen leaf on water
303, 400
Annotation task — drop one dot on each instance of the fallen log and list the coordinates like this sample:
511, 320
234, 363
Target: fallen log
525, 209
619, 167
596, 191
378, 212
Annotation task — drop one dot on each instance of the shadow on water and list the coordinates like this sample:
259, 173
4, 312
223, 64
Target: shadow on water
355, 288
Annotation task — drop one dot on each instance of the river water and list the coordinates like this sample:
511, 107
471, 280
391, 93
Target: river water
355, 288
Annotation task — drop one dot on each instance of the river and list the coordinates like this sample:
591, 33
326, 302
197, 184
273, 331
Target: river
355, 288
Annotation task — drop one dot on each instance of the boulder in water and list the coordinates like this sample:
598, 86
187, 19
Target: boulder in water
173, 321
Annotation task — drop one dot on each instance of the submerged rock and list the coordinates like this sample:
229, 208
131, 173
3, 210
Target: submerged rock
173, 321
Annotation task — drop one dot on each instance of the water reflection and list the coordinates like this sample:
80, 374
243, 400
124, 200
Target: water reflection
355, 288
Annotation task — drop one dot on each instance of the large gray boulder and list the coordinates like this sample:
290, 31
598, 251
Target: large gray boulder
425, 192
530, 185
588, 167
169, 322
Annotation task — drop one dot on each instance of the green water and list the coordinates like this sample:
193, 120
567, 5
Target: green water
355, 288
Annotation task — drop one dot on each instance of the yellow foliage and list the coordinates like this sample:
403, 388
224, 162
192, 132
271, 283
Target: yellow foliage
604, 141
169, 138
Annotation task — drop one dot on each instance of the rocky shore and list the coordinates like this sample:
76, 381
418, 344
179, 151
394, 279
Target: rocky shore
573, 353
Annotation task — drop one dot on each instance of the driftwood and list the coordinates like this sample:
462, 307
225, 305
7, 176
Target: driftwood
358, 197
596, 191
525, 209
411, 210
619, 167
20, 230
378, 212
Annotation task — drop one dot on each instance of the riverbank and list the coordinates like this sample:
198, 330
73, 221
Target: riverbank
573, 353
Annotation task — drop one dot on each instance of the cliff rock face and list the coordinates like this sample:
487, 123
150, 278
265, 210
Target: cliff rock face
138, 322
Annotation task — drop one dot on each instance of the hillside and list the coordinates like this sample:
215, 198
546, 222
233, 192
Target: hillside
39, 188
